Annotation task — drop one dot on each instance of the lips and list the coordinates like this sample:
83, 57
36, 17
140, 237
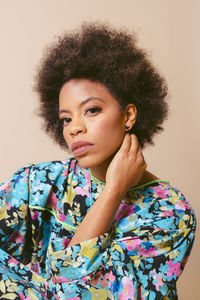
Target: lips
81, 147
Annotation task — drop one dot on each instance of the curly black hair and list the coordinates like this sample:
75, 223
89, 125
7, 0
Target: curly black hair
101, 53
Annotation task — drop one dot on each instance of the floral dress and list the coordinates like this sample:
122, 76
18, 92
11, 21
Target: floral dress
141, 257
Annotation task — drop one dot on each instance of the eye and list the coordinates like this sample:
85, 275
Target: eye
65, 121
93, 110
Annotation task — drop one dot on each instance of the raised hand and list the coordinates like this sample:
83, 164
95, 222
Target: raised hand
127, 166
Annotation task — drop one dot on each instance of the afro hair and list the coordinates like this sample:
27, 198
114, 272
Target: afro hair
101, 53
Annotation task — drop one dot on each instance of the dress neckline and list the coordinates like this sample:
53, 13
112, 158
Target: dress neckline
133, 188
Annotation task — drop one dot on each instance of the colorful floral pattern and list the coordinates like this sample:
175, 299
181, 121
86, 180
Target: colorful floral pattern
141, 257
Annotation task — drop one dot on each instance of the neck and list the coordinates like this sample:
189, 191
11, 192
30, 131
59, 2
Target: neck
100, 171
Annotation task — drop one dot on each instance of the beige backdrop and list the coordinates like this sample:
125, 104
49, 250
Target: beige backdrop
167, 28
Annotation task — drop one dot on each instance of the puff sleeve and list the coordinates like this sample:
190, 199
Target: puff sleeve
16, 280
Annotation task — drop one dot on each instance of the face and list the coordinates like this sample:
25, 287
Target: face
93, 122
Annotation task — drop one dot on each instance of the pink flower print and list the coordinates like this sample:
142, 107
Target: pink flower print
124, 210
186, 204
41, 244
128, 289
132, 244
27, 174
9, 206
36, 268
19, 238
65, 173
62, 217
73, 164
64, 161
159, 190
21, 296
6, 187
87, 177
65, 243
82, 191
16, 237
174, 268
84, 279
46, 286
148, 252
35, 215
52, 200
180, 206
167, 213
13, 261
59, 279
157, 280
110, 277
159, 283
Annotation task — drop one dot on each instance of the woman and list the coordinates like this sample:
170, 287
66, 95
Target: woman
97, 225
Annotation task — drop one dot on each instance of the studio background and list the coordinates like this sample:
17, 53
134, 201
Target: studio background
168, 29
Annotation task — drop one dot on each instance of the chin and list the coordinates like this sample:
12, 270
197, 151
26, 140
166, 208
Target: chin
87, 161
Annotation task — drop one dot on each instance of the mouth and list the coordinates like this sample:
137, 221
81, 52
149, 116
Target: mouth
82, 150
81, 147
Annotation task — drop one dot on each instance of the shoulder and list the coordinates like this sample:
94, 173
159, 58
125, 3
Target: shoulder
156, 208
50, 169
163, 202
55, 164
161, 191
53, 169
171, 196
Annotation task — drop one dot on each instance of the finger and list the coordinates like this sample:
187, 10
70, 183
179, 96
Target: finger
126, 144
140, 156
134, 143
140, 153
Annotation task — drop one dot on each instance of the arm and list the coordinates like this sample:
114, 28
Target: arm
118, 180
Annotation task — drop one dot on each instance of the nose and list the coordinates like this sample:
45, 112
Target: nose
77, 126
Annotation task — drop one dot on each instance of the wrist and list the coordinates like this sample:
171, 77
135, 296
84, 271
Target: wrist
114, 192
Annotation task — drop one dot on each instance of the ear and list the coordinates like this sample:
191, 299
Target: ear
130, 116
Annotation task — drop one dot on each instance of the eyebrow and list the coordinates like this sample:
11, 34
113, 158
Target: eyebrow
83, 103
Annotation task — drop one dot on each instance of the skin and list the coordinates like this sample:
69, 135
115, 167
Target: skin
83, 121
91, 113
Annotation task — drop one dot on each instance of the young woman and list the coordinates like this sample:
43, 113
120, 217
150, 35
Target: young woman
97, 225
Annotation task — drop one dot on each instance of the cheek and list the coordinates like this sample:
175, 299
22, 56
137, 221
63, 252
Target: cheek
65, 136
111, 130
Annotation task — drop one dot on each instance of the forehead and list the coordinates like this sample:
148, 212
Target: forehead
81, 89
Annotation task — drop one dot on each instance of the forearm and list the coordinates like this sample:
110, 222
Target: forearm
99, 218
125, 170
